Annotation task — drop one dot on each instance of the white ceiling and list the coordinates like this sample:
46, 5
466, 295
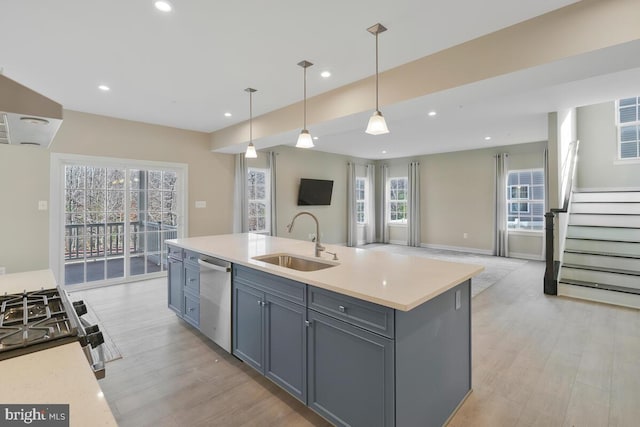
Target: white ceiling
187, 68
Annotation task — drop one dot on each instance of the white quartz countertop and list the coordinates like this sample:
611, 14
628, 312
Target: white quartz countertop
392, 280
58, 375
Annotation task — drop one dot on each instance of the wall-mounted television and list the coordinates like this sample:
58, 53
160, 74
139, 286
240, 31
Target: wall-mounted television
315, 192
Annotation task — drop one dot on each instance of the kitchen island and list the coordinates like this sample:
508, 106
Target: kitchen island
57, 375
369, 339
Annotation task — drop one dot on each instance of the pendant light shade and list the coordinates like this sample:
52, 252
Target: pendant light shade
251, 149
377, 125
304, 139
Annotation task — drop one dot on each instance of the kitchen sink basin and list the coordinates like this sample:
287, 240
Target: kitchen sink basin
295, 262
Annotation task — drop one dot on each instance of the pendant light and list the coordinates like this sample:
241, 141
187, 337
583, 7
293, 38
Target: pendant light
304, 139
251, 149
377, 124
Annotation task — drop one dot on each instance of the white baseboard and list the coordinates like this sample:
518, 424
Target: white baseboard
398, 242
457, 249
522, 255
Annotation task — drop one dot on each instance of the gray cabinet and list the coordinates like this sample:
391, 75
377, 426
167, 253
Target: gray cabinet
351, 373
191, 289
354, 362
184, 284
269, 331
248, 325
285, 345
175, 280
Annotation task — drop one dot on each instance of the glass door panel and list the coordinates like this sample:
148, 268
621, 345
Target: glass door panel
116, 221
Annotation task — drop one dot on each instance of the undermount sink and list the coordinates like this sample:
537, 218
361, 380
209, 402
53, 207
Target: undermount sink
295, 262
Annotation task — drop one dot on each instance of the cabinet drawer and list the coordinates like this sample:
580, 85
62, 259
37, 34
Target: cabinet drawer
287, 289
192, 280
192, 309
367, 315
191, 258
175, 252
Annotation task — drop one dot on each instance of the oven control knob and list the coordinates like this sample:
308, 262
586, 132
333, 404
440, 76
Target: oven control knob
95, 339
91, 329
80, 308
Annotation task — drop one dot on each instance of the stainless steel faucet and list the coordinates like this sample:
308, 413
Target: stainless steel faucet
319, 247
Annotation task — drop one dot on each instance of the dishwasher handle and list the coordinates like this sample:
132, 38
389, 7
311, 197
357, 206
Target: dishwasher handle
210, 266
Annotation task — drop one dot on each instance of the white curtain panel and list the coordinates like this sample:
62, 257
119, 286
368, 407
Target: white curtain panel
413, 205
352, 225
382, 217
271, 157
501, 243
370, 233
240, 209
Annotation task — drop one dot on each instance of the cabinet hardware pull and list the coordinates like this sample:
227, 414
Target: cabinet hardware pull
342, 308
192, 308
307, 323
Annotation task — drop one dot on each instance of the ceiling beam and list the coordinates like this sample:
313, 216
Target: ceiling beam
576, 29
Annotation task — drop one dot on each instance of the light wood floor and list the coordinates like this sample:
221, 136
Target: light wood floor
537, 361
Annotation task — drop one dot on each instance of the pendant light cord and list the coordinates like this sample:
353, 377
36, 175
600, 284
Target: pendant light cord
250, 117
305, 98
377, 106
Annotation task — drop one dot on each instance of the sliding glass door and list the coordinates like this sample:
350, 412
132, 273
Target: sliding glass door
116, 219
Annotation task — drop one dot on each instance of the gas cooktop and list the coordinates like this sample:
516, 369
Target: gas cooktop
32, 321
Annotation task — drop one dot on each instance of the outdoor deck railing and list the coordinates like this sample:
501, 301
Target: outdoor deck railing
107, 239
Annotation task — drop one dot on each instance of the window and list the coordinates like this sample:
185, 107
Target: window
112, 217
525, 199
361, 195
398, 200
628, 121
258, 203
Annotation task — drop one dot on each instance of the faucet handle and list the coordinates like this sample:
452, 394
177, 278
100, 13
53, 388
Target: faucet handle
335, 255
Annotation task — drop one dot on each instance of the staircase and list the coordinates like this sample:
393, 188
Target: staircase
602, 250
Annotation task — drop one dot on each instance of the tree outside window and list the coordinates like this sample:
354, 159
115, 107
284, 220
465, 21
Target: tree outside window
361, 194
398, 189
525, 199
628, 121
258, 199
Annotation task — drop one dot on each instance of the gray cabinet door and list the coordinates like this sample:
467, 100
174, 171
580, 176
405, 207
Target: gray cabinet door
175, 284
248, 325
350, 373
285, 345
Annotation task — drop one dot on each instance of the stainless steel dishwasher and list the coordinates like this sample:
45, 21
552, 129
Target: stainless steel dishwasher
215, 300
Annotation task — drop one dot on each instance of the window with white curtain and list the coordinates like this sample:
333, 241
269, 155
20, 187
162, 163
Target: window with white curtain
397, 197
525, 199
628, 122
258, 200
361, 199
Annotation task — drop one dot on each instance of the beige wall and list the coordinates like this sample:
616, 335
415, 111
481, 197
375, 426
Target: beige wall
598, 166
293, 164
210, 179
24, 230
457, 192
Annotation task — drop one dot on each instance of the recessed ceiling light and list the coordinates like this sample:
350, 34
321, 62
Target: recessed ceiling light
384, 151
325, 74
315, 138
432, 113
487, 138
163, 6
104, 88
227, 114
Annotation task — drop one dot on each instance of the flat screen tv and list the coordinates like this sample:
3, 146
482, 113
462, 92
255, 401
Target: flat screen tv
314, 192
